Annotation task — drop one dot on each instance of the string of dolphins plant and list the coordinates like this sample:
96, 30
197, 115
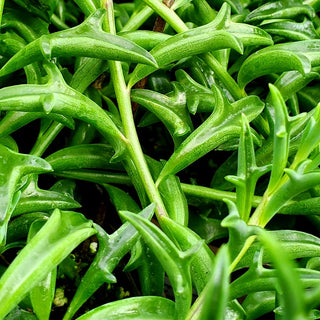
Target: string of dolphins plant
202, 139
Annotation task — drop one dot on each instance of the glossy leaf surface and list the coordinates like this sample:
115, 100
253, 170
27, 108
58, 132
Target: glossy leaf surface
46, 249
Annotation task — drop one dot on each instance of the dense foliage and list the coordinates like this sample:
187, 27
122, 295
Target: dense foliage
159, 160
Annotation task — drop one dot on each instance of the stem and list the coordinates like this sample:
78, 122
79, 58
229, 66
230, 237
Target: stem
168, 15
244, 249
45, 140
137, 20
86, 6
124, 104
1, 10
224, 76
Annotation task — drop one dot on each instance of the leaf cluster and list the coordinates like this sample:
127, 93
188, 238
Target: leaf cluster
196, 124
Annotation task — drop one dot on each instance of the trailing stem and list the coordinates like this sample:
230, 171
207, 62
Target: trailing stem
124, 103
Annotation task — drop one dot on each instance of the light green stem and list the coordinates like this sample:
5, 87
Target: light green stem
124, 104
168, 15
138, 19
224, 76
1, 10
46, 139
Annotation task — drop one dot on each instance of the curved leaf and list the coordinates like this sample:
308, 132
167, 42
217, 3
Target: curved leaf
294, 31
212, 302
34, 199
268, 61
112, 249
222, 125
185, 44
57, 97
280, 9
176, 263
13, 166
13, 121
138, 308
185, 238
87, 39
44, 252
170, 110
86, 156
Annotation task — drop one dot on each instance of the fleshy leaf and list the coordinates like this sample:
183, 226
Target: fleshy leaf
186, 44
87, 39
185, 238
280, 9
176, 263
248, 172
34, 199
13, 166
41, 296
44, 252
13, 121
290, 292
239, 230
212, 302
298, 245
199, 98
112, 249
291, 30
138, 308
258, 278
278, 57
86, 156
57, 97
221, 126
171, 191
259, 303
171, 110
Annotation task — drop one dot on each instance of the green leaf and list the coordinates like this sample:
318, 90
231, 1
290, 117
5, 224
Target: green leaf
41, 296
221, 126
259, 303
42, 8
34, 199
290, 290
172, 194
279, 58
185, 239
239, 230
112, 249
171, 110
310, 138
25, 24
139, 308
87, 156
280, 9
258, 278
19, 227
248, 172
87, 39
281, 136
14, 120
199, 98
292, 82
13, 166
186, 44
212, 302
290, 30
57, 97
44, 252
176, 263
298, 245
